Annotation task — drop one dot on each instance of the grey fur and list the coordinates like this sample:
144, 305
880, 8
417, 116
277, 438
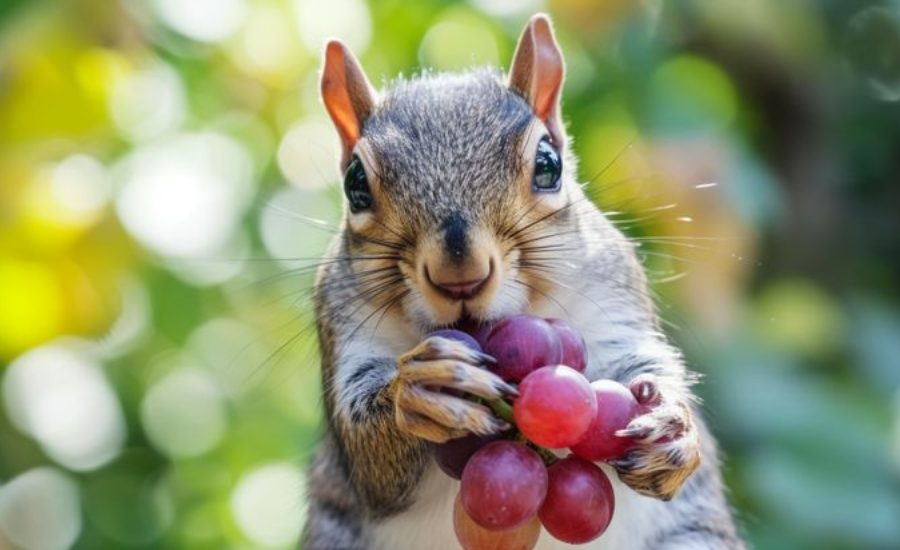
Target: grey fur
448, 145
448, 141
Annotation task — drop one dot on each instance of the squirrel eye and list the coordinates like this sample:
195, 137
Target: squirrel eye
356, 186
547, 168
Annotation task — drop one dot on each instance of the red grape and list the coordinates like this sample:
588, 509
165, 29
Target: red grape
481, 331
476, 328
503, 485
522, 344
616, 407
453, 455
574, 353
472, 536
459, 336
555, 406
580, 501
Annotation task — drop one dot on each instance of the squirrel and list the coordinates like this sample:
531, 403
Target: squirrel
462, 207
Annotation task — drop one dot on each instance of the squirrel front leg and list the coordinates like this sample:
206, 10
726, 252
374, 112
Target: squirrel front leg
387, 410
423, 410
668, 441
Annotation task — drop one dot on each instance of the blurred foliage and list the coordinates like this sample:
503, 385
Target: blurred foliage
160, 162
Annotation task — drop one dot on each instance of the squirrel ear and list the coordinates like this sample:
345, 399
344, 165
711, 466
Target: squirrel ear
537, 71
347, 94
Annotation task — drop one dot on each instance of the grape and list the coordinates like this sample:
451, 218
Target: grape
574, 353
616, 407
503, 485
555, 406
477, 329
481, 332
453, 455
522, 344
472, 536
459, 336
580, 501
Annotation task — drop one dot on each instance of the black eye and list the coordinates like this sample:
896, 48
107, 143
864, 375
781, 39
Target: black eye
547, 168
356, 186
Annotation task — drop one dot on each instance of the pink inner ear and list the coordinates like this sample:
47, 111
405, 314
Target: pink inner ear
548, 70
537, 73
347, 95
547, 90
336, 97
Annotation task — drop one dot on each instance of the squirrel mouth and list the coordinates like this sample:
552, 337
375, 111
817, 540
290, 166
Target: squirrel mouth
469, 324
466, 323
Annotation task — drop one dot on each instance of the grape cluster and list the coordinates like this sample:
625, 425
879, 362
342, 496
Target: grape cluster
511, 483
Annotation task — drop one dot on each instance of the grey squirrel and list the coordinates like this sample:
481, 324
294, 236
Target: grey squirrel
462, 207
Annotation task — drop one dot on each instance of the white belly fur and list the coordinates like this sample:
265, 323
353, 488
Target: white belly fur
428, 524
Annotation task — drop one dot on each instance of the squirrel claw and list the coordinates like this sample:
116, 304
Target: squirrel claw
637, 432
506, 390
667, 451
422, 409
486, 359
457, 375
437, 347
426, 429
624, 462
447, 416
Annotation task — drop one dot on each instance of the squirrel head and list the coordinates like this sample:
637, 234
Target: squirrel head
452, 181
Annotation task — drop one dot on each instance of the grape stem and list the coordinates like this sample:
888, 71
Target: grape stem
504, 411
548, 457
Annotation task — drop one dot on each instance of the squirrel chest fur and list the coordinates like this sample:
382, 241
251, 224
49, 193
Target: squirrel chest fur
462, 207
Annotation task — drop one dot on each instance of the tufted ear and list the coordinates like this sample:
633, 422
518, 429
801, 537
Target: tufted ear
347, 94
537, 72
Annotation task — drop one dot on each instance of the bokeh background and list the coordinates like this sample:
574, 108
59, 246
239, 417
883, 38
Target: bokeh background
168, 181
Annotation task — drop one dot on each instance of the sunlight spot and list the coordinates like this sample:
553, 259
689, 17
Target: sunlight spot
225, 263
40, 509
296, 226
202, 20
148, 103
348, 20
252, 132
459, 41
80, 185
231, 351
268, 506
130, 328
269, 45
58, 395
183, 199
307, 155
507, 8
184, 414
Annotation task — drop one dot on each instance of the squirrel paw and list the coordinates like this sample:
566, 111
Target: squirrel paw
668, 450
423, 410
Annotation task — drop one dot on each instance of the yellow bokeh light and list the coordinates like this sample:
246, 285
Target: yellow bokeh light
98, 69
31, 306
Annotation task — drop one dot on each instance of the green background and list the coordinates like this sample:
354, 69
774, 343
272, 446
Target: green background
163, 164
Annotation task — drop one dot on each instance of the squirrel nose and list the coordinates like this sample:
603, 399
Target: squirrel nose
456, 289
